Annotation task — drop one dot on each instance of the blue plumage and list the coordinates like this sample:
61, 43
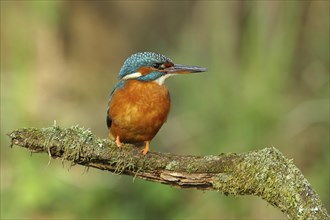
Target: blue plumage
151, 76
135, 61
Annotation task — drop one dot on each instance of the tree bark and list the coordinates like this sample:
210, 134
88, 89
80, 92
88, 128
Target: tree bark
265, 173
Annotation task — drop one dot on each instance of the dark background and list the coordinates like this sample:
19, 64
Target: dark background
267, 85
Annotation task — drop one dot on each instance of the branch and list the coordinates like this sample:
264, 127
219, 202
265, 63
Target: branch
265, 173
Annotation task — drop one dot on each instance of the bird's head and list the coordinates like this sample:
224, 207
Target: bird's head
149, 66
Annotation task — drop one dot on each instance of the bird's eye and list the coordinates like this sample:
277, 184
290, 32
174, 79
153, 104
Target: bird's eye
156, 65
159, 66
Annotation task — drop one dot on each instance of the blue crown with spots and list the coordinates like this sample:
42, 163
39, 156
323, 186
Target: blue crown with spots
138, 60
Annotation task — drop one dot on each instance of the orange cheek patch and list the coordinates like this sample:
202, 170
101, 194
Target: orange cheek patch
145, 70
168, 65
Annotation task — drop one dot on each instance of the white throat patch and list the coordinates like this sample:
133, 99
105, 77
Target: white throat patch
161, 79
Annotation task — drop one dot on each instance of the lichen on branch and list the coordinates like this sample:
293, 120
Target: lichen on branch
265, 173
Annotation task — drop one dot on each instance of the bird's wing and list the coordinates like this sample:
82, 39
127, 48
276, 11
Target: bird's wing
120, 84
109, 121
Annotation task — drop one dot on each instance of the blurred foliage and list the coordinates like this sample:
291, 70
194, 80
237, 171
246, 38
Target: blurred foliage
267, 84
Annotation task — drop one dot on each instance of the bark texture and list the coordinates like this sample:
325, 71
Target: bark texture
265, 173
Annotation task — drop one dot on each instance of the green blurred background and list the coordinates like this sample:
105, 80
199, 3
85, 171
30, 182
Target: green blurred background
267, 85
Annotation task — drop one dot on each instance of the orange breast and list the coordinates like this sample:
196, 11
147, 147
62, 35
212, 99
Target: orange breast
138, 110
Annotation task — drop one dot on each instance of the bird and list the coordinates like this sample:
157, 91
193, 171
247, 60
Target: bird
140, 102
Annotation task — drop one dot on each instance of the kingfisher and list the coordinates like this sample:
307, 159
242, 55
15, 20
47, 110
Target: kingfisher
140, 102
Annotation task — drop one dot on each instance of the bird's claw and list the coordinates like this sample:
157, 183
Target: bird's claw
119, 144
146, 148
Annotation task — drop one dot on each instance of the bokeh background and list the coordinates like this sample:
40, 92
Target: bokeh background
267, 85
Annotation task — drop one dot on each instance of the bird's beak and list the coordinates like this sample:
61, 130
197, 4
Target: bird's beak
184, 69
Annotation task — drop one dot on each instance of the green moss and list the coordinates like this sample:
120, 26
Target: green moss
172, 165
265, 173
211, 158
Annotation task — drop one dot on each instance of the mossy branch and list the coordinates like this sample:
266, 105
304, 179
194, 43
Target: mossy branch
265, 173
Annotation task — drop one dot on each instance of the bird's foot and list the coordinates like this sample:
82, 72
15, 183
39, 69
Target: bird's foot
119, 144
146, 148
